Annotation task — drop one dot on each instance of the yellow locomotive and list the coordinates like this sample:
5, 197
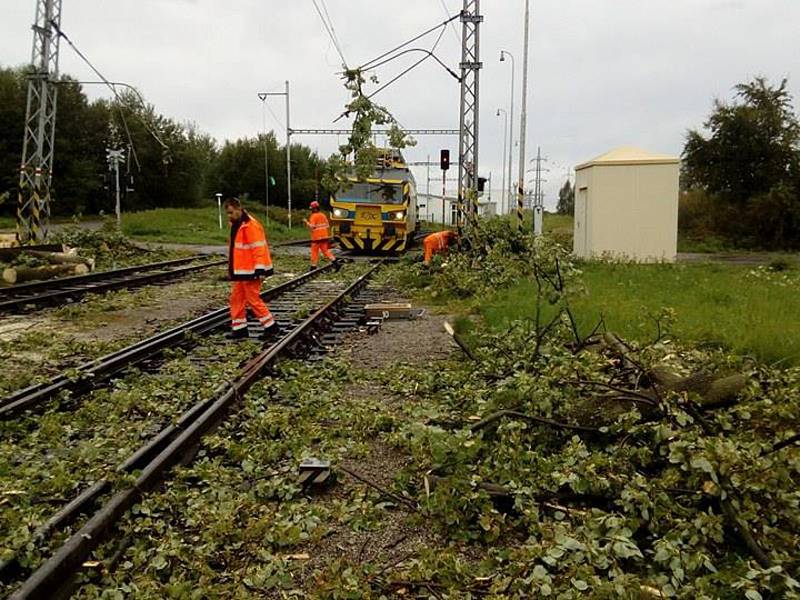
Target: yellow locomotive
378, 215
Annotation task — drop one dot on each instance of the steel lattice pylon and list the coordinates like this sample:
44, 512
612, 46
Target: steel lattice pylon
35, 173
470, 94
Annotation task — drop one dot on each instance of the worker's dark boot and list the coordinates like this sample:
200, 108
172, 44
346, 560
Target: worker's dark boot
271, 333
312, 268
238, 334
337, 264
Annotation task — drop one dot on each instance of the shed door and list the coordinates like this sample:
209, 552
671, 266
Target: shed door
581, 222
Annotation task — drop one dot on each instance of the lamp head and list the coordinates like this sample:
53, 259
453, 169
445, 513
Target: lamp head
502, 56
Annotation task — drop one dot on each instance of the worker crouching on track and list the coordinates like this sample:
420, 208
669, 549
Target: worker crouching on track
249, 262
437, 243
320, 237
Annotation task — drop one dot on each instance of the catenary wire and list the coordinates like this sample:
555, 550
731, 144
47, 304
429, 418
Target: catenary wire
331, 33
368, 64
113, 89
450, 16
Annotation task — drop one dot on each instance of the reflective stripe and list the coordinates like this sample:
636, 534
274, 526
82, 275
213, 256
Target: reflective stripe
320, 226
235, 321
263, 267
265, 320
238, 326
240, 246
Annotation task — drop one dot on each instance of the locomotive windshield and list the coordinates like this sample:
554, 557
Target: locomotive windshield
372, 193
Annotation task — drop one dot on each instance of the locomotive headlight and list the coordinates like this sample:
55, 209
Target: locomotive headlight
399, 215
339, 213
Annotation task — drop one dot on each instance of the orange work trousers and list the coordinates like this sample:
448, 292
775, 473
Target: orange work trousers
244, 294
321, 246
429, 248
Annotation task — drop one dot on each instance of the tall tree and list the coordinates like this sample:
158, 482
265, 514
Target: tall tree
749, 161
754, 144
566, 199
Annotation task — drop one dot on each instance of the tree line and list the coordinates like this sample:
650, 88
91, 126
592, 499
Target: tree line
167, 163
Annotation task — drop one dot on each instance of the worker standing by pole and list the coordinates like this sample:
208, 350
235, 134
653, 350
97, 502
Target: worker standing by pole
249, 261
320, 237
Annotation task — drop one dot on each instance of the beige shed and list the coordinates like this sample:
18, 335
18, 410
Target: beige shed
626, 206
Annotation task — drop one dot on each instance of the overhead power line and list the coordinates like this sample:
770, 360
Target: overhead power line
450, 18
327, 23
113, 89
370, 63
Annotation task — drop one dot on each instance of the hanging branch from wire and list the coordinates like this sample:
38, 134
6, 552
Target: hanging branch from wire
117, 96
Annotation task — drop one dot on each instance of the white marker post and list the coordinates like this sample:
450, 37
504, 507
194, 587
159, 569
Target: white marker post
219, 208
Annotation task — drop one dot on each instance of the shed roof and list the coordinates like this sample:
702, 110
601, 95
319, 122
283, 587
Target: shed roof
629, 155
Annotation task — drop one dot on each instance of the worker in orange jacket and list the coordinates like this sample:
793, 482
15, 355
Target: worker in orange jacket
320, 230
437, 243
249, 262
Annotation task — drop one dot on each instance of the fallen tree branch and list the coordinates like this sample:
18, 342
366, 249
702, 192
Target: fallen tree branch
382, 490
713, 391
459, 340
783, 444
634, 395
745, 533
502, 414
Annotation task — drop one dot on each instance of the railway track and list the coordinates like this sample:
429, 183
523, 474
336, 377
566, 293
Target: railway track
335, 309
69, 288
91, 374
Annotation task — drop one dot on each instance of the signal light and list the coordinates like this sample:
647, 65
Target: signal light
444, 159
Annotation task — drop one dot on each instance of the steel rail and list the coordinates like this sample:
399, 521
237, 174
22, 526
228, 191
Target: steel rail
93, 283
186, 434
73, 279
91, 373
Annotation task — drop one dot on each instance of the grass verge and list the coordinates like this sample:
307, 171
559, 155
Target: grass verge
198, 226
747, 310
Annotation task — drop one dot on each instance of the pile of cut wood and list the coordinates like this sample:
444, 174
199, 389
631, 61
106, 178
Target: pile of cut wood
34, 263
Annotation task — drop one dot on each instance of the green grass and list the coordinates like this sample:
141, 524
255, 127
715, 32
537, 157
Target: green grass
745, 309
197, 226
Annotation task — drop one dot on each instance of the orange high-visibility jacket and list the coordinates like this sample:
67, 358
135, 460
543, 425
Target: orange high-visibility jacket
248, 255
438, 241
318, 224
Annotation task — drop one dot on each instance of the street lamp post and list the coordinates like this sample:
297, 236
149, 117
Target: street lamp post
503, 205
523, 114
263, 98
503, 54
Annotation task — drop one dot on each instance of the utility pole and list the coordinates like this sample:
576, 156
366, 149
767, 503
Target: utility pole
538, 201
263, 98
523, 115
114, 157
537, 198
469, 108
288, 156
511, 188
36, 168
505, 135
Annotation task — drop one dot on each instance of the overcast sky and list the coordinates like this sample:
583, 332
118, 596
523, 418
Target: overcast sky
603, 73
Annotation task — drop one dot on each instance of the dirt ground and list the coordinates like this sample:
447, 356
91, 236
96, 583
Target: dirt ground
399, 536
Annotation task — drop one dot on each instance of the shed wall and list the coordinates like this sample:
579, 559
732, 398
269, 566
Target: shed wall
630, 211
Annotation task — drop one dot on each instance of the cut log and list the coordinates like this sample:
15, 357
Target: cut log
713, 390
63, 258
22, 274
